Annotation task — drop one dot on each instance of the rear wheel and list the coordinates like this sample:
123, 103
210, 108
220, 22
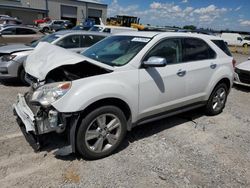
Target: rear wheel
101, 132
217, 100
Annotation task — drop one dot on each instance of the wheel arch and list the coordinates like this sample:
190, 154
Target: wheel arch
102, 102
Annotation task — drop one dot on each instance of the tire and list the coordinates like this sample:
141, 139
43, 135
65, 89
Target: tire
97, 136
217, 100
22, 76
45, 29
245, 45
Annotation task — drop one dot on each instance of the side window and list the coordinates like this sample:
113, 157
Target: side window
107, 30
9, 31
196, 49
57, 22
70, 42
89, 40
170, 49
24, 31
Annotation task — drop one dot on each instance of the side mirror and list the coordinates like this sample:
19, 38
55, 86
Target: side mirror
155, 61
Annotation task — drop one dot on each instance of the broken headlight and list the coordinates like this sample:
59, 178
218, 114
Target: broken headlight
49, 93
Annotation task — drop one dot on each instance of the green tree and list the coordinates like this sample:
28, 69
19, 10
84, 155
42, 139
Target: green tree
189, 27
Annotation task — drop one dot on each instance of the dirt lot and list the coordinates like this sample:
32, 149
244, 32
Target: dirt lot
188, 150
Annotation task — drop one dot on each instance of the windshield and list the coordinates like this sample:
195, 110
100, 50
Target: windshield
48, 38
116, 50
95, 28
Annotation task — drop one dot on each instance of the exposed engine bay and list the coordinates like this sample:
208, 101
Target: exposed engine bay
74, 72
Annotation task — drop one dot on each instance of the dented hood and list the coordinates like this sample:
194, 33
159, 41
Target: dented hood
47, 57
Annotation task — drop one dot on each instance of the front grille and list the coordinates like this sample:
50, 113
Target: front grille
244, 76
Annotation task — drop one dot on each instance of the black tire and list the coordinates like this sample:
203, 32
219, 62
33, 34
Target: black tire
245, 45
45, 29
209, 108
22, 76
83, 146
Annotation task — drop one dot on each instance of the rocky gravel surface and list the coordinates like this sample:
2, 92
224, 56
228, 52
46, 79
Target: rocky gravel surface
187, 150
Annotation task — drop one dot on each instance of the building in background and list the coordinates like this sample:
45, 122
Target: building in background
74, 10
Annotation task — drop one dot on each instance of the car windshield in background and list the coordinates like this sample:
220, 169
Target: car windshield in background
48, 38
95, 28
116, 50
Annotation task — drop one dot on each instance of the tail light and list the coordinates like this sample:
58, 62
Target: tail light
234, 63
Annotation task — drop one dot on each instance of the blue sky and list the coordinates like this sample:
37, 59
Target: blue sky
216, 14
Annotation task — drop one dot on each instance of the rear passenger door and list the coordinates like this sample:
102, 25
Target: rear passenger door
25, 35
200, 64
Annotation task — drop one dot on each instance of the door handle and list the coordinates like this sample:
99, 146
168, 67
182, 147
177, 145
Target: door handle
181, 73
213, 66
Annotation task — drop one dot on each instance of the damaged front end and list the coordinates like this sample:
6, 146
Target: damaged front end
34, 110
35, 119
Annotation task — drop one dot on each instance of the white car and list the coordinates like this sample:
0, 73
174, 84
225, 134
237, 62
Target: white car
124, 80
242, 73
111, 29
13, 56
234, 39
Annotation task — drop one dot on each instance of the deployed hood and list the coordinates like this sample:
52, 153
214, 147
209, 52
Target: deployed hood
244, 66
46, 57
11, 48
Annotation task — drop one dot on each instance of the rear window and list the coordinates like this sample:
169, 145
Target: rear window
223, 46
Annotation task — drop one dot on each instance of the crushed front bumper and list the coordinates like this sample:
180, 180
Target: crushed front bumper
24, 113
26, 122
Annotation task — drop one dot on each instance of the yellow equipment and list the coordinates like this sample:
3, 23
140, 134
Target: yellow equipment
125, 21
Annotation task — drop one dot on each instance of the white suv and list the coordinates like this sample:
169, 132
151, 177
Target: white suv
122, 81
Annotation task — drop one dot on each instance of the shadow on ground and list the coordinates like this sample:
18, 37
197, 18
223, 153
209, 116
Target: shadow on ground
242, 88
54, 141
12, 82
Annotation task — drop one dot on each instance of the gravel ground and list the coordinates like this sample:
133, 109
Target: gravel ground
188, 150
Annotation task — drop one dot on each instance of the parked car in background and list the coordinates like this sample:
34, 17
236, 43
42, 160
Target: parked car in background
81, 27
111, 29
234, 39
4, 16
242, 73
9, 21
40, 21
247, 38
55, 25
18, 34
122, 81
13, 56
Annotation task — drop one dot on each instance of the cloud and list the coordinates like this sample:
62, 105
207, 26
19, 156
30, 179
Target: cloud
184, 1
170, 13
238, 8
244, 23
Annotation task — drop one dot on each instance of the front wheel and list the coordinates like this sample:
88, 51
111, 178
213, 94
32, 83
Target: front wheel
101, 132
22, 76
217, 100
